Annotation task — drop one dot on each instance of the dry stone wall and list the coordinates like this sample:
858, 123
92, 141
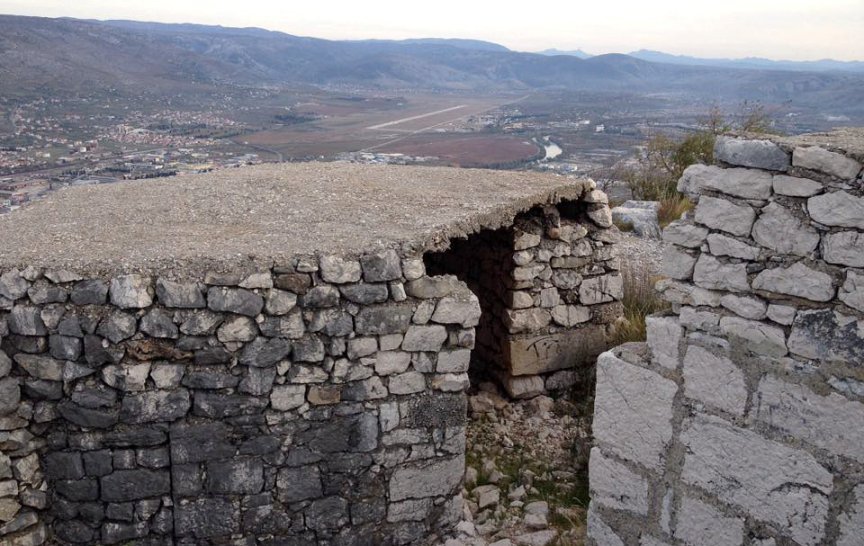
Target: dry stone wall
741, 421
317, 402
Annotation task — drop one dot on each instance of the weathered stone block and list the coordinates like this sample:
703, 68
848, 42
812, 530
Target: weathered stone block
820, 159
844, 248
155, 406
852, 520
774, 483
778, 229
237, 329
683, 234
714, 380
287, 397
381, 267
234, 300
408, 383
745, 183
206, 518
433, 287
338, 270
180, 295
432, 479
570, 315
677, 264
721, 245
26, 321
852, 291
384, 319
663, 337
131, 292
633, 411
712, 274
601, 289
758, 337
299, 484
365, 294
796, 280
745, 306
463, 310
453, 361
823, 421
686, 294
616, 486
839, 208
725, 216
796, 187
549, 352
129, 485
759, 154
159, 324
700, 523
13, 285
235, 477
424, 338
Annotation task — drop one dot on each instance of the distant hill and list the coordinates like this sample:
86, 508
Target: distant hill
756, 63
573, 53
40, 56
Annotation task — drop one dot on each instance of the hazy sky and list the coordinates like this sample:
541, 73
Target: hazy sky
779, 29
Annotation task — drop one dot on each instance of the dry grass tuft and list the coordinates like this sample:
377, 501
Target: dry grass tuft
672, 207
640, 300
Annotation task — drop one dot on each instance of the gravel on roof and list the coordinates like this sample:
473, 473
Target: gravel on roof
267, 215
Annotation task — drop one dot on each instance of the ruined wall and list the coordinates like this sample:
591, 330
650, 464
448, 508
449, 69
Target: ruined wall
742, 420
319, 401
550, 291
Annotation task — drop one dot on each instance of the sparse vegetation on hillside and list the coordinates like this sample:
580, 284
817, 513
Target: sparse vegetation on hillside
640, 300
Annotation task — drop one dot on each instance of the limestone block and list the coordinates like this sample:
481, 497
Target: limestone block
13, 285
384, 319
781, 314
852, 291
823, 421
131, 292
601, 289
796, 280
159, 324
237, 329
820, 159
758, 337
26, 321
179, 295
633, 411
570, 315
318, 296
424, 338
408, 383
453, 361
549, 352
663, 337
527, 320
614, 485
433, 287
796, 187
690, 182
235, 300
381, 267
40, 367
279, 302
339, 271
686, 294
745, 183
844, 248
725, 216
827, 335
390, 362
700, 523
362, 346
677, 264
90, 292
714, 380
524, 386
721, 245
712, 274
430, 479
602, 534
566, 279
287, 397
413, 268
839, 208
528, 272
775, 483
683, 234
778, 229
463, 309
745, 306
523, 241
852, 520
155, 406
601, 215
641, 215
759, 154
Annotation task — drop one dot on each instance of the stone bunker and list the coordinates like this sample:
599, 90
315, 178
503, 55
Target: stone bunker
741, 421
279, 354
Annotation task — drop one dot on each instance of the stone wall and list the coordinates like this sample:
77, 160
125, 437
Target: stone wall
318, 401
741, 421
550, 291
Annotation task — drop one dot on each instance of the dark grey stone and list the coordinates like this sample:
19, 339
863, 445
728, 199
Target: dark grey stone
180, 295
368, 511
212, 355
210, 379
258, 381
94, 397
13, 285
163, 522
263, 353
299, 484
96, 355
202, 442
5, 364
42, 293
206, 518
186, 480
341, 434
332, 322
113, 532
191, 343
70, 326
97, 463
64, 465
117, 326
157, 457
120, 511
10, 395
92, 292
365, 294
327, 514
27, 344
199, 323
260, 446
234, 300
128, 485
383, 266
155, 406
134, 437
76, 532
321, 296
41, 389
124, 459
235, 477
828, 335
290, 326
64, 347
159, 324
40, 367
26, 321
384, 319
91, 512
78, 490
298, 283
309, 349
88, 417
219, 406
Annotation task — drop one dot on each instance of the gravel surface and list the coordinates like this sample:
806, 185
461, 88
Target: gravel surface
266, 215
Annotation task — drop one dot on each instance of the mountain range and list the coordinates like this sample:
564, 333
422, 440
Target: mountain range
42, 56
